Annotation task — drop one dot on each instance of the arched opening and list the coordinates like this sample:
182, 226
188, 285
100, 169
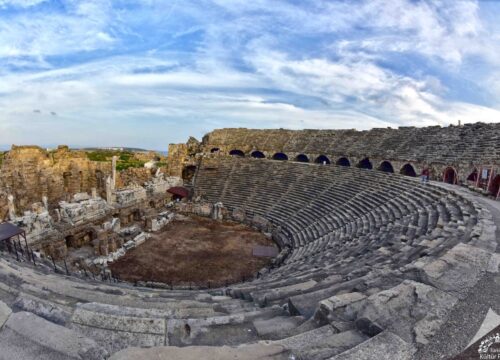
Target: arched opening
450, 176
70, 241
280, 157
495, 185
302, 158
322, 159
188, 172
257, 154
214, 150
408, 170
473, 176
99, 178
343, 161
365, 164
386, 166
66, 177
152, 204
137, 215
237, 153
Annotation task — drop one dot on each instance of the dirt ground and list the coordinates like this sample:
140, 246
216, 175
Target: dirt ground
196, 250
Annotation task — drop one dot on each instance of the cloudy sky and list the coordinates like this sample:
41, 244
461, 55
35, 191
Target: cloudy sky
147, 73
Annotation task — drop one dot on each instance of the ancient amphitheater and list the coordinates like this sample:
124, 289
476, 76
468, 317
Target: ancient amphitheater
371, 263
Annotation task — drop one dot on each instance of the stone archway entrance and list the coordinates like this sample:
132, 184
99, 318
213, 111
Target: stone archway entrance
237, 153
386, 166
280, 156
408, 170
495, 185
257, 154
322, 159
473, 176
450, 175
343, 161
302, 158
365, 164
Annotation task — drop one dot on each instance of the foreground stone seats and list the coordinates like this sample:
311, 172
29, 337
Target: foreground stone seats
358, 249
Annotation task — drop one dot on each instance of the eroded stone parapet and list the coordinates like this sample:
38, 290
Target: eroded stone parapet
243, 352
386, 345
456, 271
412, 310
27, 336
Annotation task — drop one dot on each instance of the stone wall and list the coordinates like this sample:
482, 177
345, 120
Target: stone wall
30, 172
462, 148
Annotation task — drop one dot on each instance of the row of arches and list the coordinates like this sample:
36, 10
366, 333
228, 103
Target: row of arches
450, 174
365, 163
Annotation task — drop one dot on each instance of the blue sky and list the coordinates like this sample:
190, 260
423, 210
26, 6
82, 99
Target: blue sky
147, 73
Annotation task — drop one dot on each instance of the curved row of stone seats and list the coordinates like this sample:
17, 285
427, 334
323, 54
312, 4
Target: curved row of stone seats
349, 235
358, 249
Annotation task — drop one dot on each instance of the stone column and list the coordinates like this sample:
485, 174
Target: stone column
12, 208
94, 193
45, 202
109, 190
115, 158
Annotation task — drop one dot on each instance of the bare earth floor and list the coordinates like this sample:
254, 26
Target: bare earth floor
196, 250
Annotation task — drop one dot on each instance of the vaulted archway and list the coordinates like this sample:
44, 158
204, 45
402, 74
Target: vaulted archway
408, 170
473, 176
322, 159
257, 154
302, 158
343, 161
365, 164
237, 153
450, 175
495, 185
386, 166
214, 150
280, 156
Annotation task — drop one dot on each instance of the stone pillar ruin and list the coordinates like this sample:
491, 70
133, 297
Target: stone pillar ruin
12, 207
113, 186
217, 211
94, 193
45, 202
109, 190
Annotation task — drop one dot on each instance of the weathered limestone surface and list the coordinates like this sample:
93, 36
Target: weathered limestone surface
386, 345
27, 336
244, 352
29, 173
412, 310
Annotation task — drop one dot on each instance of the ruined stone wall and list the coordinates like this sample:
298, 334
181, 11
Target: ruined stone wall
30, 172
463, 148
131, 176
181, 155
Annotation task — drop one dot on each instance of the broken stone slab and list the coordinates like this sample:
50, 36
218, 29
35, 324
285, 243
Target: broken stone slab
5, 312
244, 352
385, 345
305, 339
44, 309
341, 307
144, 325
412, 310
456, 271
27, 336
276, 327
331, 345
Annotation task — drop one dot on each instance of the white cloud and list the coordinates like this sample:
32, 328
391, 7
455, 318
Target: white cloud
191, 66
